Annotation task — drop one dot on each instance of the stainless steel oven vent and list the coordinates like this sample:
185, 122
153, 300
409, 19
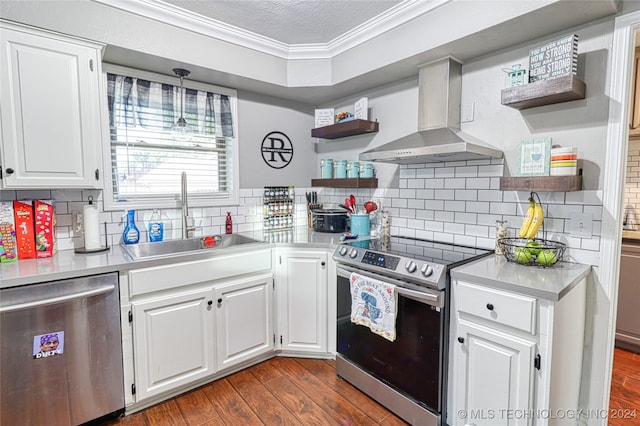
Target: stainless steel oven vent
438, 138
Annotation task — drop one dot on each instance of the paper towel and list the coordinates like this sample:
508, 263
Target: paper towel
91, 227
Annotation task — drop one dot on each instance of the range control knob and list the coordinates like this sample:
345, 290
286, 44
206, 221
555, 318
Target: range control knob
427, 270
410, 267
353, 253
343, 250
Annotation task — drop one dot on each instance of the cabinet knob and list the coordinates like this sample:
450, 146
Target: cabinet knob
490, 306
461, 339
219, 300
9, 171
323, 263
210, 302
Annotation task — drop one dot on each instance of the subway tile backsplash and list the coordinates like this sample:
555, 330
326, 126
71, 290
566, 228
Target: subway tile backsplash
632, 187
452, 202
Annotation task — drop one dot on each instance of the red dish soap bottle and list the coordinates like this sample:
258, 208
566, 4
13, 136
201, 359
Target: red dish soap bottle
228, 227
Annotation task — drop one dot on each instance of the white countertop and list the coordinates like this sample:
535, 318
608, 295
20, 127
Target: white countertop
546, 283
68, 264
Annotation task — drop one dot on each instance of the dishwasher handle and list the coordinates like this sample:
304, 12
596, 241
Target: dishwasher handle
58, 299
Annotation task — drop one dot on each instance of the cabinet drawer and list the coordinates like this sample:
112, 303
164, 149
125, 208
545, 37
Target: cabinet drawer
501, 307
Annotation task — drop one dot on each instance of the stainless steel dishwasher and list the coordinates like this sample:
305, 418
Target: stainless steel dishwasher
61, 356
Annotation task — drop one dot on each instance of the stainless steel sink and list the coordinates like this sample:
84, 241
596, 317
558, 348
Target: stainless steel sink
189, 245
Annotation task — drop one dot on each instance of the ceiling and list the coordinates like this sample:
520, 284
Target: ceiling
291, 21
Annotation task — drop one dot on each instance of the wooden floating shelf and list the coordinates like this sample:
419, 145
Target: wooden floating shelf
346, 183
542, 183
347, 128
544, 92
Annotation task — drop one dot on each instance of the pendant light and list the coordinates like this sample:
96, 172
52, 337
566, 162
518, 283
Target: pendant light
181, 130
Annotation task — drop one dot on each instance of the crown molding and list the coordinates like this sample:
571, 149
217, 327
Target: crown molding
181, 18
184, 19
392, 18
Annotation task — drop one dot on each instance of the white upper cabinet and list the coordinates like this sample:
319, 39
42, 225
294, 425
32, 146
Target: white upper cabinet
50, 110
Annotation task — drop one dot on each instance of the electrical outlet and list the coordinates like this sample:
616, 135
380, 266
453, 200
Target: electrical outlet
581, 225
466, 114
76, 223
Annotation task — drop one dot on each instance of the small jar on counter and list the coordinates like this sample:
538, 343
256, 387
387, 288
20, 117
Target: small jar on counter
501, 232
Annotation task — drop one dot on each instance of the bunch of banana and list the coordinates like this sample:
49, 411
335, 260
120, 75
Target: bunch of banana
532, 220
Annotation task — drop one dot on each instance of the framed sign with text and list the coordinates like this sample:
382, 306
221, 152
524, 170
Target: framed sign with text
554, 59
534, 156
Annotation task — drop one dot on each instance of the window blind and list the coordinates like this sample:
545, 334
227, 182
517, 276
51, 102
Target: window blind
148, 157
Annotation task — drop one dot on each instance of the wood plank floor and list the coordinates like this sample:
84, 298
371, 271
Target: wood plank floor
625, 389
297, 391
280, 391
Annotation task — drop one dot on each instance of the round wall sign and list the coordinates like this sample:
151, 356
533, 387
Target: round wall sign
277, 150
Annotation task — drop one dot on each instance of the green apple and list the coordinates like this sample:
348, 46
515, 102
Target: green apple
534, 247
522, 255
547, 258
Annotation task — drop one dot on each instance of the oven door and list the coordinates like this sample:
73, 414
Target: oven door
412, 364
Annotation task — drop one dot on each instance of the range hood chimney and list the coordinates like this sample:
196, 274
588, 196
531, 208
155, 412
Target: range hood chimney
439, 137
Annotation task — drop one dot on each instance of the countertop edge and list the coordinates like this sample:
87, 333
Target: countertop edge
67, 264
578, 273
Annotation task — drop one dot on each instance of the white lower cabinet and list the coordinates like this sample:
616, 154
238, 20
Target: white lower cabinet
302, 287
244, 320
514, 359
494, 372
173, 341
192, 322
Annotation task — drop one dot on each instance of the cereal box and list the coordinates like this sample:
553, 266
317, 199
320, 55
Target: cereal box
25, 237
45, 228
8, 252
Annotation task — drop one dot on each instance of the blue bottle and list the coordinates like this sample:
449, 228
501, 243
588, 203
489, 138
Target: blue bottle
131, 234
156, 227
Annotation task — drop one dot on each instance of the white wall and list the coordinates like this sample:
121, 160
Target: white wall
260, 115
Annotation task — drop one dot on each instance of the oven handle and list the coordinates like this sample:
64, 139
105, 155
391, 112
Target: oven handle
428, 296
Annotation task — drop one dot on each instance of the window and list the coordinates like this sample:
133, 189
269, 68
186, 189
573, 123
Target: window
146, 157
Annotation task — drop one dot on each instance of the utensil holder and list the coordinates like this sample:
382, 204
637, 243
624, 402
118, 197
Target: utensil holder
360, 225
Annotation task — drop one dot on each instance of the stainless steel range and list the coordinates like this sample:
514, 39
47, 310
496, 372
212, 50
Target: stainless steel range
408, 374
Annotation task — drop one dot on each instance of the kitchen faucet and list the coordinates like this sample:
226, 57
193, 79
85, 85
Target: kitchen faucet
185, 208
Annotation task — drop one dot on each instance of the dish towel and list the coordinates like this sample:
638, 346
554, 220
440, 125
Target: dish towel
373, 304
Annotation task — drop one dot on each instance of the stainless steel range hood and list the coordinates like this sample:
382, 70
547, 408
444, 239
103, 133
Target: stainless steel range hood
439, 137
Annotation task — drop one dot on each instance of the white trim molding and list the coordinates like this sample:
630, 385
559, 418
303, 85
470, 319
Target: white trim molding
173, 15
622, 56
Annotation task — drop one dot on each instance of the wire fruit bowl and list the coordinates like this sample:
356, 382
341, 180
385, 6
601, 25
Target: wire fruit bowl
532, 252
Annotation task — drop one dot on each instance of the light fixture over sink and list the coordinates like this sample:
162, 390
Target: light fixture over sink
181, 130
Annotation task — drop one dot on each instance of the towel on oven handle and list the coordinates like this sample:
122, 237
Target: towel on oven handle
373, 304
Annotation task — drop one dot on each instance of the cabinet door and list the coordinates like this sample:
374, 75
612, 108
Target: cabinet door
51, 134
493, 377
244, 320
173, 341
303, 301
